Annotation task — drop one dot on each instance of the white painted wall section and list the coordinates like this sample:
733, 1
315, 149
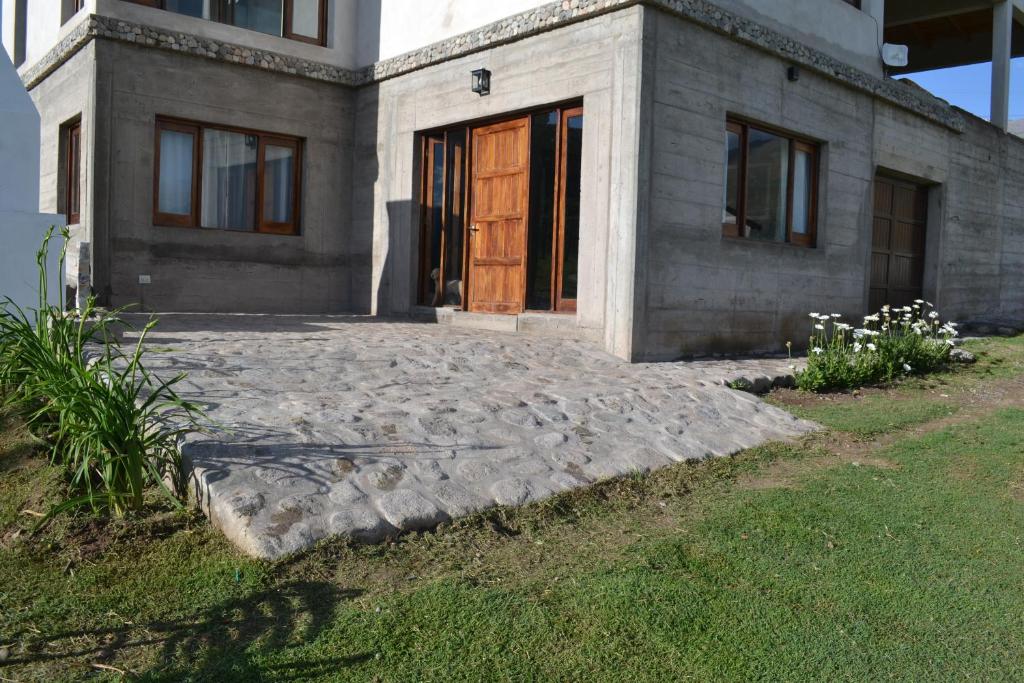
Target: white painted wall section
21, 227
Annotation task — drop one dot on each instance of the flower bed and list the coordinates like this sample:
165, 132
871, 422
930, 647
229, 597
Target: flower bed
892, 343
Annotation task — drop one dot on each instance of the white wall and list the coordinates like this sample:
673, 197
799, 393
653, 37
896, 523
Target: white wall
21, 228
388, 28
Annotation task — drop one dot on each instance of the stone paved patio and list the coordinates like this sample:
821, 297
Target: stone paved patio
361, 427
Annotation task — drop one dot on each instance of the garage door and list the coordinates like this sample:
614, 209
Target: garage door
897, 243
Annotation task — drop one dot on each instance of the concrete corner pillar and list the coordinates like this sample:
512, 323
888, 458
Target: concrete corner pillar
1002, 32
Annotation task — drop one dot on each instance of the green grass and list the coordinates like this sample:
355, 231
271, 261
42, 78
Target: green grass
908, 572
876, 413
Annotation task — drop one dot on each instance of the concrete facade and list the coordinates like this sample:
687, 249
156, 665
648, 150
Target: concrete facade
657, 79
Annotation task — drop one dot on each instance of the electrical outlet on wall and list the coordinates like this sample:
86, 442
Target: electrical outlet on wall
145, 280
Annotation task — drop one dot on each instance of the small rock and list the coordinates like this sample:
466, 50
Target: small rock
4, 654
962, 356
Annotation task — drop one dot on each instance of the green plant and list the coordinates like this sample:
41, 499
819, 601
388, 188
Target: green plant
111, 424
892, 343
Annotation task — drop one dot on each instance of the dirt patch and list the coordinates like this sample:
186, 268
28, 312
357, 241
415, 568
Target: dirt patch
846, 449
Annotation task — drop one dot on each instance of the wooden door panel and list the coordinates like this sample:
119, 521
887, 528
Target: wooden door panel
498, 217
898, 243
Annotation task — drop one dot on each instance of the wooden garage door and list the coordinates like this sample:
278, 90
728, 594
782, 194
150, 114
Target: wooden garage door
897, 244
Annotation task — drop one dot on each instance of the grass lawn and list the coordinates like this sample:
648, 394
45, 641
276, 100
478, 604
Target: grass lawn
890, 547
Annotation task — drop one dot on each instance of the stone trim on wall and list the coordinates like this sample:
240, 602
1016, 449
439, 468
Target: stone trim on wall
544, 18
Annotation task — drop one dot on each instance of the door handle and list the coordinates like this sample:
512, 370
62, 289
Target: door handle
473, 228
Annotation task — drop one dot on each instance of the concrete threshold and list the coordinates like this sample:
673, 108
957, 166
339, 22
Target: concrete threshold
540, 323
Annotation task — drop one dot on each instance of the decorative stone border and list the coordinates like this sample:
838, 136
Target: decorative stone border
510, 29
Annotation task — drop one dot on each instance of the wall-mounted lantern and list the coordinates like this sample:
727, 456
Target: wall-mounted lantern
481, 82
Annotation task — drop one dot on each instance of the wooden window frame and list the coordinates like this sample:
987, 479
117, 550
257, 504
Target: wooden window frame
189, 220
222, 13
560, 305
263, 138
274, 227
73, 172
735, 230
286, 29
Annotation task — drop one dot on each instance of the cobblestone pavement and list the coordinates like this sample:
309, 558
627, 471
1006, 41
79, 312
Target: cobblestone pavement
356, 426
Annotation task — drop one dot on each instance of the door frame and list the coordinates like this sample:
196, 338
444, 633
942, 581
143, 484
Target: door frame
575, 103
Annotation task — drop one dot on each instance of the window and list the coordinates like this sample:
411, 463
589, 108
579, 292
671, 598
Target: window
855, 3
770, 186
303, 20
226, 178
73, 173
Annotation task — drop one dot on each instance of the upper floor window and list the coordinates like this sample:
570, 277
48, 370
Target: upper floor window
771, 185
226, 178
303, 20
68, 9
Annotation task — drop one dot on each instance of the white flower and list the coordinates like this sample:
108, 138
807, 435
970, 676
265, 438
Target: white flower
918, 301
819, 326
836, 315
872, 347
933, 314
857, 347
814, 315
907, 309
906, 368
817, 350
885, 307
843, 327
871, 318
859, 333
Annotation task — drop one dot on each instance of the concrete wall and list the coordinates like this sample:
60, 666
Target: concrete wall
597, 61
46, 22
832, 26
217, 270
702, 291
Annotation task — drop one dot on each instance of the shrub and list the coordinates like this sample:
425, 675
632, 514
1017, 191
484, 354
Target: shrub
892, 343
111, 424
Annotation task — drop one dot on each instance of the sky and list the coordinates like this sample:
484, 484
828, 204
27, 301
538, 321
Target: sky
968, 87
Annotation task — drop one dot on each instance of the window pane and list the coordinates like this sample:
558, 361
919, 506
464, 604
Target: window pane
543, 168
265, 16
74, 172
193, 8
802, 180
278, 184
306, 18
229, 180
767, 176
731, 202
571, 226
175, 189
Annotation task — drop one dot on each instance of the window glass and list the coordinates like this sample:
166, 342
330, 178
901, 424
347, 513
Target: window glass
74, 173
802, 170
193, 8
767, 178
306, 18
731, 202
543, 169
266, 16
278, 184
175, 188
229, 180
571, 226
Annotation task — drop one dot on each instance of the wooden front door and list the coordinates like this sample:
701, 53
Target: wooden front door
498, 217
897, 243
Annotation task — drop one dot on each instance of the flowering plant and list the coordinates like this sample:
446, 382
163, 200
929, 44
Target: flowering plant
891, 343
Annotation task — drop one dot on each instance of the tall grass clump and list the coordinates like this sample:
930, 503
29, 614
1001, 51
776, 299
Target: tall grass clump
892, 343
113, 426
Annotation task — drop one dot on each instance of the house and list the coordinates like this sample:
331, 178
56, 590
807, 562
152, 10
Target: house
665, 177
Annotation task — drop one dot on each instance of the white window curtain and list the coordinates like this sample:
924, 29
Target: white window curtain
175, 192
229, 180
